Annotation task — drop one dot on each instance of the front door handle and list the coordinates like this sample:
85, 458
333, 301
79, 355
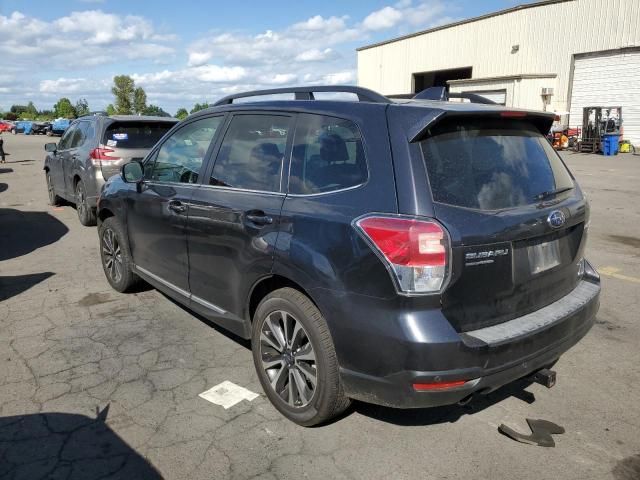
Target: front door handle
177, 206
259, 218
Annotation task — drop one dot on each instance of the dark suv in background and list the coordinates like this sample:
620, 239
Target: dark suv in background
408, 253
92, 149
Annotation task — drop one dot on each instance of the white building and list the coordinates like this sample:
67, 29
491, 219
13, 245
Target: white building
580, 52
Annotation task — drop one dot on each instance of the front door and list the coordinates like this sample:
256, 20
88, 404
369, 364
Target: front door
234, 220
157, 211
58, 160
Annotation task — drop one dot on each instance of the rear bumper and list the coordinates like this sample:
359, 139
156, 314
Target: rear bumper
427, 352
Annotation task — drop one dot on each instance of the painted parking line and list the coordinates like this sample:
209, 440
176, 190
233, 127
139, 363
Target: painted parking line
227, 394
613, 273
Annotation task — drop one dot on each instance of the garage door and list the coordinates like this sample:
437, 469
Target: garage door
608, 80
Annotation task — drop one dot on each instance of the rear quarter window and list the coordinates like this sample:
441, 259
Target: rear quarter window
491, 164
135, 134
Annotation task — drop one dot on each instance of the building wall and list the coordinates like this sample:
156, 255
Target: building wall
548, 37
521, 92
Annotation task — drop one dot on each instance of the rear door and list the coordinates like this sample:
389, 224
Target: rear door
157, 212
516, 244
234, 218
125, 141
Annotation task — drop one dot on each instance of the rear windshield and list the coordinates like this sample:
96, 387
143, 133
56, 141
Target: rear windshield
135, 134
491, 164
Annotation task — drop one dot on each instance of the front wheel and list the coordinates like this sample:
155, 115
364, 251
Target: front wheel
53, 198
115, 256
295, 358
86, 214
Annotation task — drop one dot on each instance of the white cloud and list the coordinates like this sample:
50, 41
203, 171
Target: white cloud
384, 18
315, 55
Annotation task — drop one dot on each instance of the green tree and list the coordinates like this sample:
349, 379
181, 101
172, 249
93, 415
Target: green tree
82, 107
182, 113
111, 110
31, 111
123, 91
154, 110
199, 106
10, 116
64, 109
139, 101
18, 109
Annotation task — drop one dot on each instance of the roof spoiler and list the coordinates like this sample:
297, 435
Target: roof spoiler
541, 120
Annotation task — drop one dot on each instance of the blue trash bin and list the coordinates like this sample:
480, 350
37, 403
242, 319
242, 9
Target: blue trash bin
610, 144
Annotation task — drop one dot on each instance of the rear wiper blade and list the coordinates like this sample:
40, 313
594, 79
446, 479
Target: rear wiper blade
551, 193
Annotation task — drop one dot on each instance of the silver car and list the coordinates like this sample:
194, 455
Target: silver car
93, 149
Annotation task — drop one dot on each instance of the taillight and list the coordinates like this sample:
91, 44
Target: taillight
416, 251
102, 154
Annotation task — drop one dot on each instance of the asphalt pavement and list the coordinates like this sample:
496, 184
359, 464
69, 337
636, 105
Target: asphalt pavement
97, 384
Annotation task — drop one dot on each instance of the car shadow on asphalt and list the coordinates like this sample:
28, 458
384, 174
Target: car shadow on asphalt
13, 285
223, 331
63, 445
445, 414
22, 232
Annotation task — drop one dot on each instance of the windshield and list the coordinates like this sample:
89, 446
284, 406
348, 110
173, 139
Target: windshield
491, 164
135, 134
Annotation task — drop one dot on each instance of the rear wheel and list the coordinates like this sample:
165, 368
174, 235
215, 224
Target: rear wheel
53, 198
86, 214
295, 358
116, 257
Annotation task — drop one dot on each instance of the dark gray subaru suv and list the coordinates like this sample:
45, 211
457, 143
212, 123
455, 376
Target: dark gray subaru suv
408, 253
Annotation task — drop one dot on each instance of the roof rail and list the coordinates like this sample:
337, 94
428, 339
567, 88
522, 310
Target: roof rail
93, 114
306, 93
441, 94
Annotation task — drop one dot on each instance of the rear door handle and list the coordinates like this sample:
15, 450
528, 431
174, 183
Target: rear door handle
177, 206
259, 218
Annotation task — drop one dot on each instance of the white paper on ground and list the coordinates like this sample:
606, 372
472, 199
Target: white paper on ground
227, 394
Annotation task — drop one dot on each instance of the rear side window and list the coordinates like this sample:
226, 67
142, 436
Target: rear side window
327, 155
135, 134
491, 164
252, 152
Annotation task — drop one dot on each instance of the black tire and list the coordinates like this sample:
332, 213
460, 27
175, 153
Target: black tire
54, 199
114, 247
86, 214
326, 399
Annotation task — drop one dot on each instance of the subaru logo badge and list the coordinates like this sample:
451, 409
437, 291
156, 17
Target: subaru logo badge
556, 219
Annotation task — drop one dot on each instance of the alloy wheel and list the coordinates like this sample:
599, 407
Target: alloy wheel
81, 206
52, 195
288, 358
112, 255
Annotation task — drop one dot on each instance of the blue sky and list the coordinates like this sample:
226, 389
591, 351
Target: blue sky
184, 52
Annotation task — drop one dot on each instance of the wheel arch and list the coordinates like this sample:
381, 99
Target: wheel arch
265, 286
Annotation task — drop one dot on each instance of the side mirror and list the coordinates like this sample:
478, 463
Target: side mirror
132, 172
50, 147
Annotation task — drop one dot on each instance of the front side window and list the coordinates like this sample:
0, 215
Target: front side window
180, 157
491, 164
252, 152
327, 155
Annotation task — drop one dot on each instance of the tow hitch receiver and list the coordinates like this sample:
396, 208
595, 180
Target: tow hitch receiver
544, 377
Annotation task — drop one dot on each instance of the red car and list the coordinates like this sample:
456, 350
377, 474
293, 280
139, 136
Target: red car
7, 127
